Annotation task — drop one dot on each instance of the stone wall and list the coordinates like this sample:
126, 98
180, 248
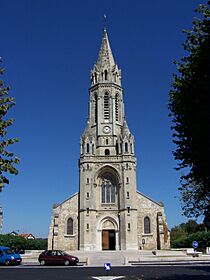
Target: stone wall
58, 237
157, 238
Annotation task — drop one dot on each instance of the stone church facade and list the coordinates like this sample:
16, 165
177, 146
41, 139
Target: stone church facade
108, 213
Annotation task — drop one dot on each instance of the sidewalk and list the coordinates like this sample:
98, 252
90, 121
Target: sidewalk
126, 258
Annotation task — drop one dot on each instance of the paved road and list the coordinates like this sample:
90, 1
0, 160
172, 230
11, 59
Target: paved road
86, 273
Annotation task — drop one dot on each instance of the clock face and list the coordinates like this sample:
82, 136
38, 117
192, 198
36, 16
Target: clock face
106, 129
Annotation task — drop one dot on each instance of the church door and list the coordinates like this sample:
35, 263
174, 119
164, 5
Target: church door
108, 240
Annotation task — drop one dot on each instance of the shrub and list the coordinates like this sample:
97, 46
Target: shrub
20, 243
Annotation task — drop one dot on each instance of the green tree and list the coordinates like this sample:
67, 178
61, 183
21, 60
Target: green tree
184, 229
180, 234
202, 237
189, 107
7, 158
20, 243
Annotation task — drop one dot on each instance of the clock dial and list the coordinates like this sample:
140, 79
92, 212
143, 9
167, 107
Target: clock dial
106, 129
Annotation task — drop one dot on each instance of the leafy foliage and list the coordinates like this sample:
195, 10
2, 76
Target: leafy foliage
20, 243
184, 234
202, 237
184, 229
7, 158
189, 107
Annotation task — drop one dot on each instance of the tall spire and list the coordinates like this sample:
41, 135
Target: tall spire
105, 58
105, 70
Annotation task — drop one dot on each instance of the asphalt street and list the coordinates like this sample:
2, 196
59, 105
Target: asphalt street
26, 272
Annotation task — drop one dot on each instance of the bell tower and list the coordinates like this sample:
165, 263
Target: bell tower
107, 164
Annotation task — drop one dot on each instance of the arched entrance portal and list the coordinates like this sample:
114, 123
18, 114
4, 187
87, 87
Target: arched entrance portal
109, 234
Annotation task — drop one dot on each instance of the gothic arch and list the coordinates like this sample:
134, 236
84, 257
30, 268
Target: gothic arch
107, 182
108, 222
108, 169
147, 225
69, 226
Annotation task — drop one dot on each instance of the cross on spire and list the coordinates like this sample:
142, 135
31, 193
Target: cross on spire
104, 22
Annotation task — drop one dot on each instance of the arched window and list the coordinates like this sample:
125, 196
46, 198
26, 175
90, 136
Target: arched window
95, 77
105, 75
96, 107
88, 148
117, 107
107, 190
126, 147
107, 152
69, 227
106, 105
131, 148
117, 148
147, 228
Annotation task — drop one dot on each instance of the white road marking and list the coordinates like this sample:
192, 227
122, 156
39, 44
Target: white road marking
107, 277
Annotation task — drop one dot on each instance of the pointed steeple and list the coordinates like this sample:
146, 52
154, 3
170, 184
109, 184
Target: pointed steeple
105, 70
105, 58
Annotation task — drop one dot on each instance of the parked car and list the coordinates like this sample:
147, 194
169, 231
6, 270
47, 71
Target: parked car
57, 257
8, 256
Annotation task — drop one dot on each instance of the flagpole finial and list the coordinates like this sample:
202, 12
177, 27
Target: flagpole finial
104, 22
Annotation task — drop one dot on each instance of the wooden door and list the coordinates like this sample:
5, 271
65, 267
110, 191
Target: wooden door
105, 240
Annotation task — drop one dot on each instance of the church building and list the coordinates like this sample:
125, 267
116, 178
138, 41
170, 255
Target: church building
108, 213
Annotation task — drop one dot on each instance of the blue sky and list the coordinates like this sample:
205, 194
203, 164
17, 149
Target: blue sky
48, 49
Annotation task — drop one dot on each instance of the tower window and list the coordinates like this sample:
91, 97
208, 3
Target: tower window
127, 180
107, 152
96, 107
88, 148
117, 148
128, 195
88, 180
88, 210
117, 107
69, 227
128, 209
129, 226
88, 227
108, 190
131, 148
147, 228
88, 195
126, 147
107, 141
106, 105
105, 75
95, 77
93, 149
